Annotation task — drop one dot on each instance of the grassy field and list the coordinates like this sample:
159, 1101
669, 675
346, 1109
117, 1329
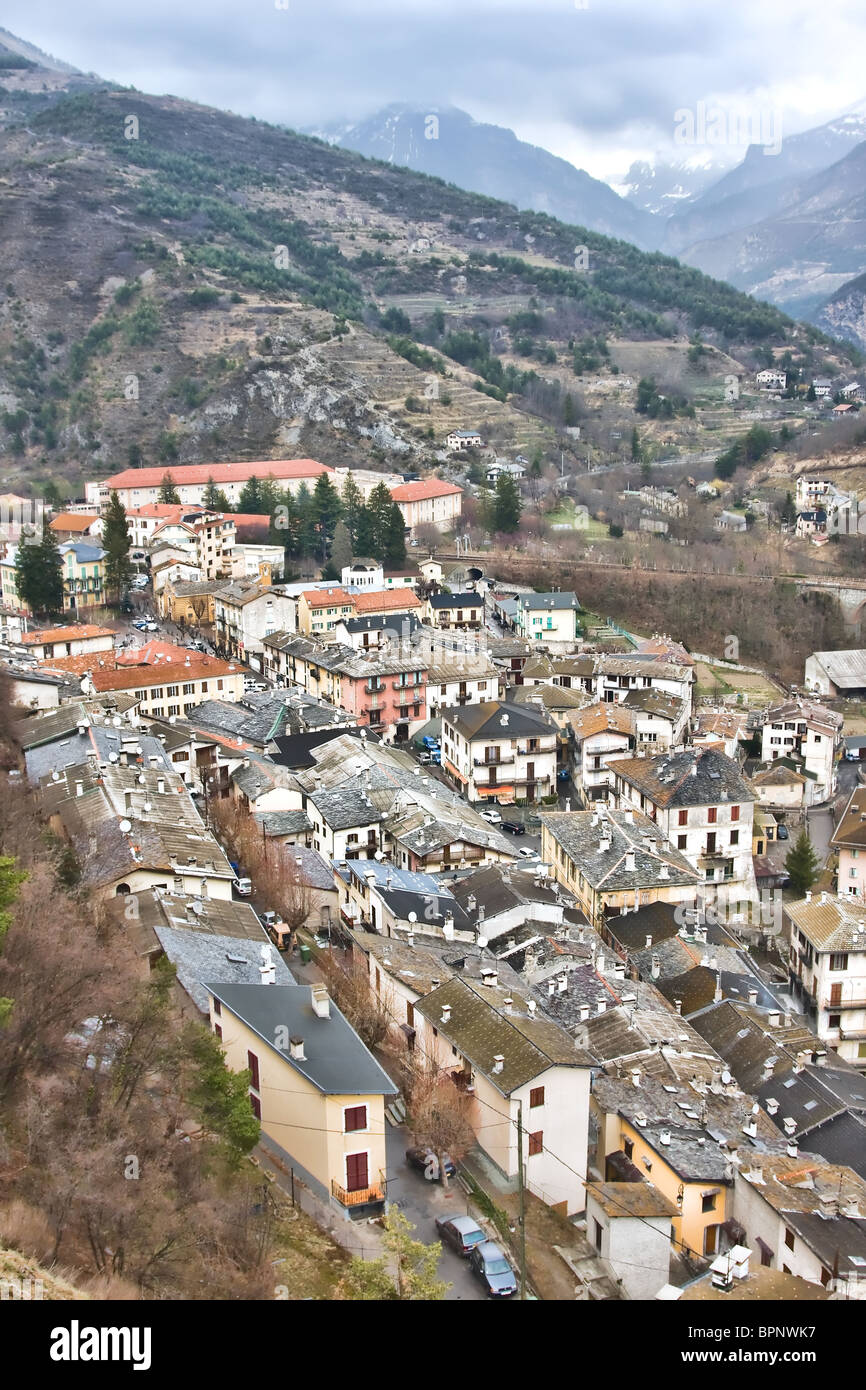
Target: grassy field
566, 515
717, 682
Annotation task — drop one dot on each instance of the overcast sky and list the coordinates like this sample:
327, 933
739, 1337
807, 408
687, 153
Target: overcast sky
598, 86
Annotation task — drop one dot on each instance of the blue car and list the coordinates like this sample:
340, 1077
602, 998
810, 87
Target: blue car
488, 1261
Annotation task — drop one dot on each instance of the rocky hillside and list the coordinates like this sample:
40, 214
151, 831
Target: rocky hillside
183, 284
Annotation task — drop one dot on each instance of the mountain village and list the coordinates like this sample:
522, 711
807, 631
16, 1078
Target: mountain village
420, 826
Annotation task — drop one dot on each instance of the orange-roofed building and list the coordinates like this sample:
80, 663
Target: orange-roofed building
80, 639
429, 503
319, 610
374, 602
137, 487
76, 526
171, 688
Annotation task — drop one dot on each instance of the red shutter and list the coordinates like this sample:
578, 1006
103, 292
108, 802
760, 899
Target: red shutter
256, 1106
356, 1172
253, 1064
356, 1118
536, 1142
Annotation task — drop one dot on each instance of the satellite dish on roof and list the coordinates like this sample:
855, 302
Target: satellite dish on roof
413, 916
116, 721
379, 855
126, 826
112, 757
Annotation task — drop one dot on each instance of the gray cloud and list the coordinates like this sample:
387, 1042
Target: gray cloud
590, 84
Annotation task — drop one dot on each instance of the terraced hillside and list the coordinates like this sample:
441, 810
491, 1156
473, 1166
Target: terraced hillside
183, 284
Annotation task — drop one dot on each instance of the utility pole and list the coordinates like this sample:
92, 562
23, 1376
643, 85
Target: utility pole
521, 1218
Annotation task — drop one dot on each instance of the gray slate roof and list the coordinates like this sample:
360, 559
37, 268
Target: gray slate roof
336, 1061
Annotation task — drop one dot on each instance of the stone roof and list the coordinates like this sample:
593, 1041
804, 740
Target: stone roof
496, 719
830, 923
482, 1032
624, 1199
693, 777
629, 833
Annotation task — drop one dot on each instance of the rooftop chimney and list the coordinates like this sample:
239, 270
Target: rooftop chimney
562, 982
489, 977
792, 1149
629, 862
498, 1064
79, 788
753, 996
664, 871
320, 1001
808, 895
789, 1125
448, 928
296, 1049
649, 942
584, 1012
678, 1005
446, 1014
772, 1106
635, 1076
600, 1006
656, 967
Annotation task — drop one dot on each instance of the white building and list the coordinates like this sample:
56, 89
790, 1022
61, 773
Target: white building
549, 618
246, 611
511, 1062
429, 503
811, 733
362, 574
837, 673
460, 440
770, 379
499, 750
827, 969
804, 1216
701, 802
630, 1225
599, 730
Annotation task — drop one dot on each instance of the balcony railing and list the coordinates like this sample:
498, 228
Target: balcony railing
842, 1004
360, 1197
493, 762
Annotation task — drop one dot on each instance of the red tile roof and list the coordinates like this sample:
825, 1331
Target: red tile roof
72, 521
164, 511
383, 600
417, 492
326, 598
219, 472
64, 634
163, 673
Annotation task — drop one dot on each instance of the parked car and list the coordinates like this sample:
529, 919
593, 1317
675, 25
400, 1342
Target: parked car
563, 775
782, 832
460, 1232
489, 1262
514, 827
243, 886
425, 757
492, 816
526, 853
429, 742
427, 1162
151, 627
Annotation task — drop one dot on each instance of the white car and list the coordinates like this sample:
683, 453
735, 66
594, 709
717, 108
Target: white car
492, 816
526, 853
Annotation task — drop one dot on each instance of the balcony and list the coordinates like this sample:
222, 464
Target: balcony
362, 1197
493, 762
374, 689
840, 1005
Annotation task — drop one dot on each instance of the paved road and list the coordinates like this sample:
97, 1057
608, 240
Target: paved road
422, 1201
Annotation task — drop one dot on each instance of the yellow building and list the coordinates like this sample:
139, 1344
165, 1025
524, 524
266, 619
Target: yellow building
681, 1138
615, 861
317, 1090
83, 574
188, 601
